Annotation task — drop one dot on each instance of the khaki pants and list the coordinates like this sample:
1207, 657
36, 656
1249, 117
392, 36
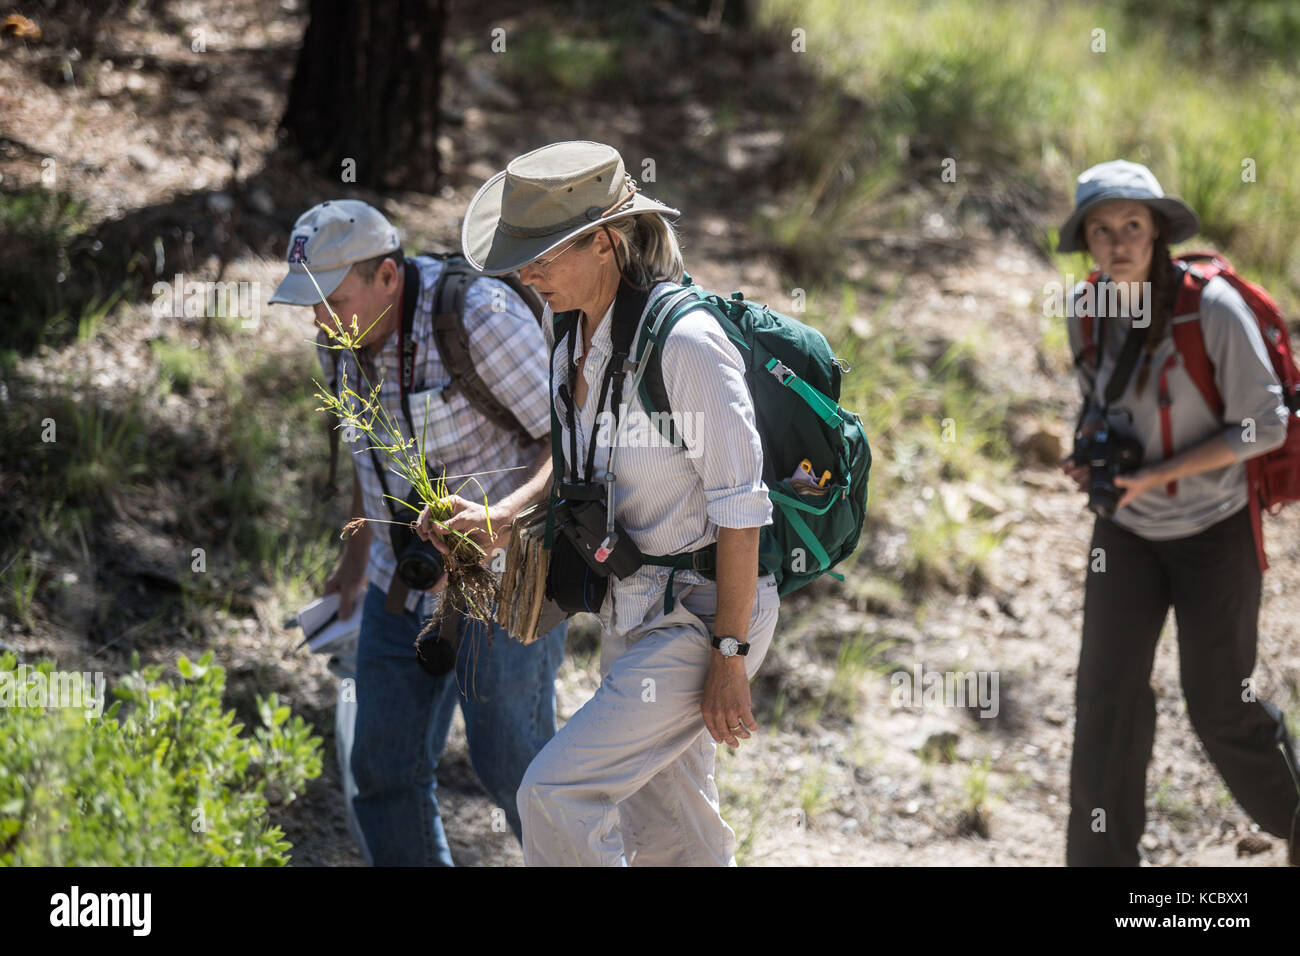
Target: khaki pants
629, 779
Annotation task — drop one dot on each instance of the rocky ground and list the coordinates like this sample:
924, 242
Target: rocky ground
838, 775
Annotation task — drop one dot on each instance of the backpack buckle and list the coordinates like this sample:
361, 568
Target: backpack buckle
782, 372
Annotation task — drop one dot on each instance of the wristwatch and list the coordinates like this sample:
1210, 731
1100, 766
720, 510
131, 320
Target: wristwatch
730, 647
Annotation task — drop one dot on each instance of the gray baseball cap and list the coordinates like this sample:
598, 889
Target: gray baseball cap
328, 239
1120, 179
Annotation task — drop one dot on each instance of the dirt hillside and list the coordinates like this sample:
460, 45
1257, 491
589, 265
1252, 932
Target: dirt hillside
157, 139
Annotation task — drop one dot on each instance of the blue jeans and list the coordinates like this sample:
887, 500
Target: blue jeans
506, 692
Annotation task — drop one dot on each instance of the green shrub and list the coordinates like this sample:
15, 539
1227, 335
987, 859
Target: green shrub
163, 777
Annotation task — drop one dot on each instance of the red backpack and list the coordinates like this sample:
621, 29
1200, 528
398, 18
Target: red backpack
1273, 479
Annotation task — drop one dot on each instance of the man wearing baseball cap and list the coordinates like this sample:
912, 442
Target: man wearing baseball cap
405, 703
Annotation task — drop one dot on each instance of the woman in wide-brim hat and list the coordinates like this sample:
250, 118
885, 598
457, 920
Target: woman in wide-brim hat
629, 779
1175, 531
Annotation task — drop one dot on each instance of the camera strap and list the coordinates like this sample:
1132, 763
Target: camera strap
406, 347
629, 304
406, 351
395, 600
1128, 357
1133, 343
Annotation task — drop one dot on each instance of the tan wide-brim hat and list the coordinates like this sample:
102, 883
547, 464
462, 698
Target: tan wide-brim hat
543, 198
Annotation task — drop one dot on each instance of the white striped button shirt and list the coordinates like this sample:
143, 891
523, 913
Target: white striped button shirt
509, 354
671, 499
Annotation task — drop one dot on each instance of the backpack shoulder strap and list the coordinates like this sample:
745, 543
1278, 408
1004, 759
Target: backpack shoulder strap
1268, 316
664, 314
562, 325
452, 341
1189, 340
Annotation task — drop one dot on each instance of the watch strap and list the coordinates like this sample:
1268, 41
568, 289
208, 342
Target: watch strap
742, 647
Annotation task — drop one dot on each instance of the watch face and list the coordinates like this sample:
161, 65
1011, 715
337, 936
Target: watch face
728, 646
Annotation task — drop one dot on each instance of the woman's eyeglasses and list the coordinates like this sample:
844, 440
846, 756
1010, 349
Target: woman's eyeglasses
545, 264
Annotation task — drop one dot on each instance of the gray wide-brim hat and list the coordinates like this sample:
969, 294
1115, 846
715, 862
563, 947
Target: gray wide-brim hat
543, 198
1120, 179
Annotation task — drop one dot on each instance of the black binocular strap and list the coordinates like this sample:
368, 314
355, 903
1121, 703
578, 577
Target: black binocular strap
1128, 356
629, 304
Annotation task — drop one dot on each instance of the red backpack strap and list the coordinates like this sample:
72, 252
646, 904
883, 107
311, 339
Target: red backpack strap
1166, 420
1189, 341
1253, 466
1189, 344
1201, 258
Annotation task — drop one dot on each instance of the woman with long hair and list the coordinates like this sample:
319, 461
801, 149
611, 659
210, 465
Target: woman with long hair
1166, 477
629, 779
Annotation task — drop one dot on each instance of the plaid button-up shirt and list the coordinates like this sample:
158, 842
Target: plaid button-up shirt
510, 356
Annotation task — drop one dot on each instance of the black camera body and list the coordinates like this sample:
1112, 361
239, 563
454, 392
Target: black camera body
419, 563
1106, 454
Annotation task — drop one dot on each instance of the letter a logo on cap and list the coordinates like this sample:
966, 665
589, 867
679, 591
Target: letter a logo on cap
299, 251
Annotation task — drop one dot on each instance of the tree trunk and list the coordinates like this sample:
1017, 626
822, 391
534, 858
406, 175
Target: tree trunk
365, 94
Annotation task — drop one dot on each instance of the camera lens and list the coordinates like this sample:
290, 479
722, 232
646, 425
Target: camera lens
435, 656
1103, 505
1103, 494
420, 565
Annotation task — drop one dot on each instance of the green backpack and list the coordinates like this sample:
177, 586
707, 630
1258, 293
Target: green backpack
794, 380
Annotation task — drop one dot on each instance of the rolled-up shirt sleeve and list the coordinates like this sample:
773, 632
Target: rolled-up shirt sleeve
705, 379
1243, 373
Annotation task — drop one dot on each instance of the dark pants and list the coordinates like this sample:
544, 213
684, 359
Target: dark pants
1213, 581
506, 693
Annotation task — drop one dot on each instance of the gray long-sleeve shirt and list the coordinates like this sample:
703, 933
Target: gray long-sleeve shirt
1254, 415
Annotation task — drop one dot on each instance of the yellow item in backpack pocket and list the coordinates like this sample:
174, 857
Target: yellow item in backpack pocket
803, 482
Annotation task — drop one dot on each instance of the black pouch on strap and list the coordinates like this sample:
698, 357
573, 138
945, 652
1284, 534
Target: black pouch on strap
570, 581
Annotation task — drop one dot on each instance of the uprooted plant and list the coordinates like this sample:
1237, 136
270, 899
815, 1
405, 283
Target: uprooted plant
471, 588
